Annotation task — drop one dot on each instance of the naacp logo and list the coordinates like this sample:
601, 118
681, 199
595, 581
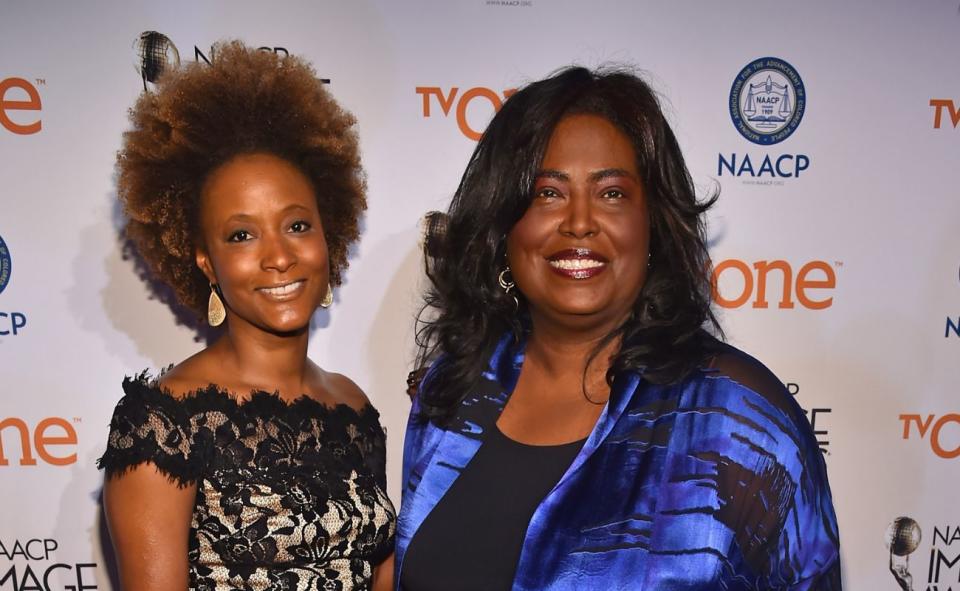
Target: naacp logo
5, 265
767, 101
155, 55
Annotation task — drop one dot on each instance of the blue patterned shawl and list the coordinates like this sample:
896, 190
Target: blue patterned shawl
703, 485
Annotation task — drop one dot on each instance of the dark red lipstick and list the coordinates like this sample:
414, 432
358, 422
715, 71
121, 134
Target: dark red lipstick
577, 263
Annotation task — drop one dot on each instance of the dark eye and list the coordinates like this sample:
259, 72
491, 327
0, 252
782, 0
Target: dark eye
300, 226
239, 236
547, 193
613, 194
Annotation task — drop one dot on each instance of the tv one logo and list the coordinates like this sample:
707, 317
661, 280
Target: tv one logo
942, 444
53, 440
943, 107
20, 104
735, 283
460, 102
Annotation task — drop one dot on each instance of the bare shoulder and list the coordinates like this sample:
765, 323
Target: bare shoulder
343, 390
188, 376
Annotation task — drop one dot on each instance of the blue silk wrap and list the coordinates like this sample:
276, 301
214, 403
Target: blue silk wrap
703, 485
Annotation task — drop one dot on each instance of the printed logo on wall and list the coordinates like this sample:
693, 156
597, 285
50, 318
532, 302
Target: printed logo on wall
903, 538
53, 440
816, 418
941, 106
953, 327
735, 282
34, 560
767, 102
19, 94
446, 99
509, 3
10, 322
156, 53
943, 443
6, 265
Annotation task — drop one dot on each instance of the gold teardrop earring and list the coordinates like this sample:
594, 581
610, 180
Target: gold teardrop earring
327, 300
216, 312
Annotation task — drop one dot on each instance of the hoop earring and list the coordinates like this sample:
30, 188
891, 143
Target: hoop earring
327, 300
507, 284
216, 311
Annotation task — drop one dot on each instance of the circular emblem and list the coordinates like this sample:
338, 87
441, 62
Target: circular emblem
767, 101
5, 265
155, 55
903, 536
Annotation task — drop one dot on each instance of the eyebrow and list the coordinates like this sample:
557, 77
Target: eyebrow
551, 173
599, 175
243, 217
607, 173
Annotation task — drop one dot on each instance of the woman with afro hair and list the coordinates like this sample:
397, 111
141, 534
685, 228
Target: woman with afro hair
246, 466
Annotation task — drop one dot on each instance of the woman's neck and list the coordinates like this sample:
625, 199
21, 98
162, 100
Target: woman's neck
266, 361
563, 357
562, 350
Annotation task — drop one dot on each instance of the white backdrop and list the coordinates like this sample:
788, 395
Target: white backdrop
875, 209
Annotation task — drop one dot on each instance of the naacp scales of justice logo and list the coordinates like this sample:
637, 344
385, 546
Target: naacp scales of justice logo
6, 265
767, 101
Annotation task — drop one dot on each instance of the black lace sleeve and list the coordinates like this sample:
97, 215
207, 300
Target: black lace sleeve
149, 425
374, 446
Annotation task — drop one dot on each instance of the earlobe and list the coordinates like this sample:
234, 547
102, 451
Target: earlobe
203, 262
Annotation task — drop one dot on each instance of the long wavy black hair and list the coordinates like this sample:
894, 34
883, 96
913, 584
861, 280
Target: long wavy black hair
466, 312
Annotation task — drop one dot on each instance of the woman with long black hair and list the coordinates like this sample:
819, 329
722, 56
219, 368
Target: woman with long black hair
580, 425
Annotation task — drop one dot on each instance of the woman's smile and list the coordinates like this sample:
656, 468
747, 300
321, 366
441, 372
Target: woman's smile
283, 292
577, 263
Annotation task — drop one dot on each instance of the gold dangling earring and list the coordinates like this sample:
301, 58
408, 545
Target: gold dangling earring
328, 298
216, 312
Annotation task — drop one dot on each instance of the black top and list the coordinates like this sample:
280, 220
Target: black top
473, 537
289, 496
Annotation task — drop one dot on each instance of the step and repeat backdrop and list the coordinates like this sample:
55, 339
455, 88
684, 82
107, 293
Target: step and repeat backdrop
831, 130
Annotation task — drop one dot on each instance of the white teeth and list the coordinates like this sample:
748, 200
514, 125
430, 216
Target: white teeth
283, 289
576, 264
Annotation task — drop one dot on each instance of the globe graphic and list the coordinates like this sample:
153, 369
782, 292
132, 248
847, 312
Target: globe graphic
155, 53
903, 536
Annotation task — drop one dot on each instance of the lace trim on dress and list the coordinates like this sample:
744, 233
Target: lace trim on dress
151, 425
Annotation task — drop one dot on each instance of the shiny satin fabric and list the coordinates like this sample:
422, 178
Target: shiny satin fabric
703, 485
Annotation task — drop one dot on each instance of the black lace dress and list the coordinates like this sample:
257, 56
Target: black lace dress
289, 496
